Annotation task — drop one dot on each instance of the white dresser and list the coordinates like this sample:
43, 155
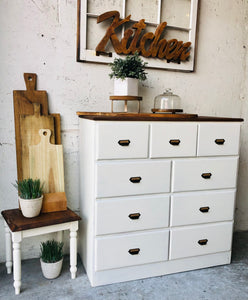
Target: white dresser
157, 195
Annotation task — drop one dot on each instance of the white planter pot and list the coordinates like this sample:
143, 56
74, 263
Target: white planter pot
51, 270
31, 207
126, 87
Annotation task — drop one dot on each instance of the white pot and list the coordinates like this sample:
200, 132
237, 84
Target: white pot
51, 270
126, 87
31, 207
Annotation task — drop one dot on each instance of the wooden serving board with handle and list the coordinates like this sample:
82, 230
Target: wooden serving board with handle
29, 129
46, 163
23, 105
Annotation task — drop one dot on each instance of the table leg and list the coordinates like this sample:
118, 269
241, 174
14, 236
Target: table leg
73, 249
60, 236
8, 248
16, 239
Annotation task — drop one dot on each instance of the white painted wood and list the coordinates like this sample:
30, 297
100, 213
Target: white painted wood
187, 173
160, 268
209, 132
8, 249
16, 241
163, 133
184, 241
107, 198
185, 207
112, 215
89, 55
87, 193
113, 251
113, 178
73, 253
108, 136
19, 235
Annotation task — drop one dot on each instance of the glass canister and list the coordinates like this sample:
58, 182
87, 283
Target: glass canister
167, 102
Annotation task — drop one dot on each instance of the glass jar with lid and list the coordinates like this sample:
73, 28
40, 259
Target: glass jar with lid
167, 102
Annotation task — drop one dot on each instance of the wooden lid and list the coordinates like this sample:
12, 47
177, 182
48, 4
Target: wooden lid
17, 222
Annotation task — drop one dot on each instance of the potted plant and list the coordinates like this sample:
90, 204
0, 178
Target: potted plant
30, 196
51, 258
127, 73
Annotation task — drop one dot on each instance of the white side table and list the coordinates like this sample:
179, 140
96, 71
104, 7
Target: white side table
18, 227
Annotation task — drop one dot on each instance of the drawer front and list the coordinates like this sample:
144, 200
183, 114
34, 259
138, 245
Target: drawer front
202, 207
130, 214
218, 139
117, 140
173, 140
131, 249
200, 240
132, 178
204, 174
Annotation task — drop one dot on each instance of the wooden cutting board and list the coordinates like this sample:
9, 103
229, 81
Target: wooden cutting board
23, 105
29, 130
46, 163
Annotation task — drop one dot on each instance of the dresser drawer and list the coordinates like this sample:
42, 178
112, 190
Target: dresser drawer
173, 140
131, 249
204, 174
130, 214
202, 207
200, 240
117, 140
132, 178
218, 139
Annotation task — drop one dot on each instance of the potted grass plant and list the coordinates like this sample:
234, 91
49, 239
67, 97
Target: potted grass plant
30, 193
127, 73
51, 258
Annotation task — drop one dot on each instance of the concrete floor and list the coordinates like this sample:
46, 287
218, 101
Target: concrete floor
228, 282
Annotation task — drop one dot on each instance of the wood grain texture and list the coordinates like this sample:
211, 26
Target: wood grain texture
129, 98
152, 117
46, 163
17, 222
54, 202
23, 105
29, 130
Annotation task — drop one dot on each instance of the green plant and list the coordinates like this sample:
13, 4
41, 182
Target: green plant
29, 188
51, 251
132, 67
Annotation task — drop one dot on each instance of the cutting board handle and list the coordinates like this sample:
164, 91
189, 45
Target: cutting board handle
30, 81
45, 135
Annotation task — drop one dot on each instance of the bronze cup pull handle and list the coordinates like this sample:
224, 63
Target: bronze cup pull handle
219, 141
124, 142
174, 142
134, 216
204, 209
135, 179
203, 242
206, 175
134, 251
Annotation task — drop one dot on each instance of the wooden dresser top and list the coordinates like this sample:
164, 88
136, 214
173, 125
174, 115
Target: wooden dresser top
107, 116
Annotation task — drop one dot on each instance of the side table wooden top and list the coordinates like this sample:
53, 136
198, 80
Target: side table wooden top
17, 222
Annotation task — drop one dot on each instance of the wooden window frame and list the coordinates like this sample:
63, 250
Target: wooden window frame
89, 55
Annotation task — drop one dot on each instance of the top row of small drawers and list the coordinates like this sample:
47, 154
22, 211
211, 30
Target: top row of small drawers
120, 140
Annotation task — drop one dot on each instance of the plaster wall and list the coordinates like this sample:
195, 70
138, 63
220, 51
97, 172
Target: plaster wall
39, 36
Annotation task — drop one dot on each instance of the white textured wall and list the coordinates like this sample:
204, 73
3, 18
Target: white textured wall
39, 36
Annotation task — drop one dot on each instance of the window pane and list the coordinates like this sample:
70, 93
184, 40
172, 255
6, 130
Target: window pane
99, 7
95, 32
140, 9
176, 12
